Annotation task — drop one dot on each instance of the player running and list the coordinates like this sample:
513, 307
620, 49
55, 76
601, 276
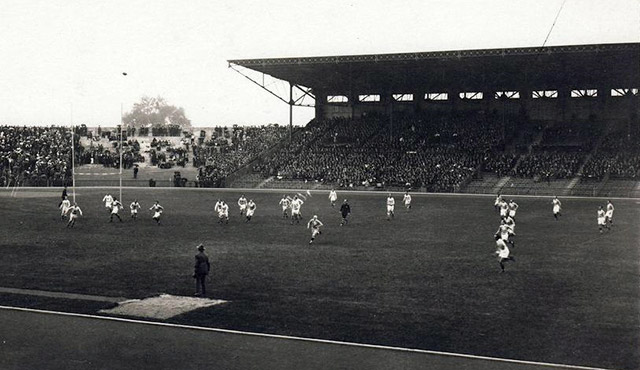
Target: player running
296, 206
216, 208
134, 207
223, 213
65, 205
116, 206
157, 211
504, 209
407, 200
108, 201
242, 203
609, 214
391, 205
557, 207
496, 203
513, 207
251, 208
504, 231
285, 202
345, 210
315, 225
74, 213
333, 197
602, 220
503, 253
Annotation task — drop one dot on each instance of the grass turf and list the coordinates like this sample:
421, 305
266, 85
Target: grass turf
427, 279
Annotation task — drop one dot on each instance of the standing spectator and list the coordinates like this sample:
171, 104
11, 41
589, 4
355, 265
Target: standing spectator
201, 270
135, 171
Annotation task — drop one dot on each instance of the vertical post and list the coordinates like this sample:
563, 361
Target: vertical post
121, 126
290, 111
73, 156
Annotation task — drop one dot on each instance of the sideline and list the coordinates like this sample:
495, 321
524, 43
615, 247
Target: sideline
302, 339
63, 295
359, 192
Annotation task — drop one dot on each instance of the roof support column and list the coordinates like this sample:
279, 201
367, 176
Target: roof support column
291, 103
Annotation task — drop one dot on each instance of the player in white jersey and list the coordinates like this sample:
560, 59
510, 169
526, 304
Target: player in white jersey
285, 202
407, 200
511, 223
557, 207
333, 197
609, 213
116, 206
296, 207
108, 200
242, 203
503, 253
216, 208
134, 207
496, 203
251, 208
74, 213
315, 225
602, 219
157, 211
391, 205
223, 213
504, 231
64, 207
504, 209
513, 207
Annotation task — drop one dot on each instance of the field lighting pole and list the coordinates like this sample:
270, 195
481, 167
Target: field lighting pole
121, 126
73, 155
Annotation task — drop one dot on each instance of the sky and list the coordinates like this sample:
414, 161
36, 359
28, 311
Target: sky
62, 60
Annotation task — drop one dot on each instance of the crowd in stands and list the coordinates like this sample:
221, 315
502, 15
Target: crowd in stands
230, 149
34, 156
437, 153
617, 156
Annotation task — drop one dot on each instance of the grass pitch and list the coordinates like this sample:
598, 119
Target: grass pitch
427, 279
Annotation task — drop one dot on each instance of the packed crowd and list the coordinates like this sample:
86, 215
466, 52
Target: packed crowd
618, 156
548, 165
229, 150
439, 154
35, 156
97, 153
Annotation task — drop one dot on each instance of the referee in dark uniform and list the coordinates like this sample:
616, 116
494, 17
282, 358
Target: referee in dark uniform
345, 210
201, 270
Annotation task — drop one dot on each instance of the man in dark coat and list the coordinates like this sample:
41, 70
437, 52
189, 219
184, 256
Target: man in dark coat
201, 270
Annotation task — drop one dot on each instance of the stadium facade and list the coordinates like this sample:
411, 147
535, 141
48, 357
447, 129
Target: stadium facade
551, 83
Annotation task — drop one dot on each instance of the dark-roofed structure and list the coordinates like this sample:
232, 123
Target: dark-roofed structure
354, 84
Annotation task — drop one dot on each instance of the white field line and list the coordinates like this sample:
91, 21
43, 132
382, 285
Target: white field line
312, 340
340, 193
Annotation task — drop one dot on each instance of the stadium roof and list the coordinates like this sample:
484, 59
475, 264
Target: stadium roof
576, 66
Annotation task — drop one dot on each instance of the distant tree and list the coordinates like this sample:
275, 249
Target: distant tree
156, 112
